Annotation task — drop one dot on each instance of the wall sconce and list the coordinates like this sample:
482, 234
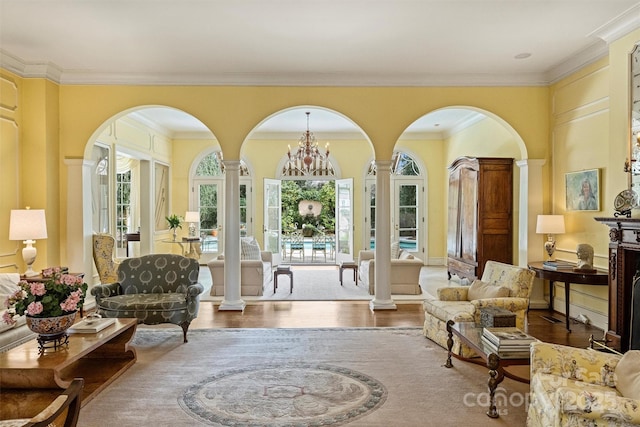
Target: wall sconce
28, 225
550, 225
192, 218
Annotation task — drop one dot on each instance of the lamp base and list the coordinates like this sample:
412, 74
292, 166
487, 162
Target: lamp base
550, 247
29, 256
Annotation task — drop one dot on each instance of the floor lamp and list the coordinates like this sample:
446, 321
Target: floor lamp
28, 225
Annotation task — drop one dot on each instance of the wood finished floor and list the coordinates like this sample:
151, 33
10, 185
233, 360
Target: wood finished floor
335, 314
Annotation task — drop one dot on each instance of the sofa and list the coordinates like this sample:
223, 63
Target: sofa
18, 333
405, 272
158, 288
502, 285
583, 387
255, 275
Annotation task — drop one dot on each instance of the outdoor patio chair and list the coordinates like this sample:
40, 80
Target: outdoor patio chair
296, 244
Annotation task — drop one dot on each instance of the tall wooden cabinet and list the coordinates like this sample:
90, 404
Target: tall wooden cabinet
480, 214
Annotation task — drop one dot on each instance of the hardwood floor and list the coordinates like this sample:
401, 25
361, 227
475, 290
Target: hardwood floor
334, 314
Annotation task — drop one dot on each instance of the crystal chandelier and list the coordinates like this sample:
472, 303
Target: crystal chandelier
307, 157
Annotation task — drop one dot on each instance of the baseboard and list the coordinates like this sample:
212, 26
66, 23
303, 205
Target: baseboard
596, 319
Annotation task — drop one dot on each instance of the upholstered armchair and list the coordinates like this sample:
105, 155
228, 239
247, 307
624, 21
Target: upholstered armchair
106, 265
159, 288
502, 285
583, 387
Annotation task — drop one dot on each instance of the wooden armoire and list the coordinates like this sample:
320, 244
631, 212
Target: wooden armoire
480, 214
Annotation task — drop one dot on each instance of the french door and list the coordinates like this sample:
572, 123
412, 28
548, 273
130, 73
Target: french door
272, 216
406, 214
208, 201
344, 220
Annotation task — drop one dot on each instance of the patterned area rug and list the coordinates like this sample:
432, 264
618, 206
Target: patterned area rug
298, 377
277, 395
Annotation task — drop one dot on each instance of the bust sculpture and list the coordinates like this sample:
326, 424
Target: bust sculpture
584, 252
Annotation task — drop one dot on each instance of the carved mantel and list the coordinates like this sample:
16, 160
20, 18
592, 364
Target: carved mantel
624, 258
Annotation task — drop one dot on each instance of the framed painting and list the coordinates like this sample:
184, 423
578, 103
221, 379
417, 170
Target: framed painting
583, 190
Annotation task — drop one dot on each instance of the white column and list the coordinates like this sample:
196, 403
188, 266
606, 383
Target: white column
382, 297
79, 245
232, 300
530, 249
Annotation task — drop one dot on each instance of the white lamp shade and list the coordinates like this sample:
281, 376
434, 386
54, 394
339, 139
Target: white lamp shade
27, 224
192, 217
550, 224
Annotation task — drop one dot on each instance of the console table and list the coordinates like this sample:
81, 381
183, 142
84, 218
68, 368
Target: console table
567, 276
30, 381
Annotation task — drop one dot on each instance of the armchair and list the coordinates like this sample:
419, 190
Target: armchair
578, 387
103, 257
502, 285
158, 288
64, 410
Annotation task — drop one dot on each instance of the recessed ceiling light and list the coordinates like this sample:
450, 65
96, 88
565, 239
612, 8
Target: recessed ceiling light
523, 55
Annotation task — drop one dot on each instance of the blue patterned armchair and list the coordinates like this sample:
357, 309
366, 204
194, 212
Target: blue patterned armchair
159, 288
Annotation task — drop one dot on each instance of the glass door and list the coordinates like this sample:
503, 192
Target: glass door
209, 196
344, 220
406, 214
272, 217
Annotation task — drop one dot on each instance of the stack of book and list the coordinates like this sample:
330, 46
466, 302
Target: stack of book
558, 265
508, 342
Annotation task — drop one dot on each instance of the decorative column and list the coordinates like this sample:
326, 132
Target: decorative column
382, 289
530, 205
232, 300
79, 229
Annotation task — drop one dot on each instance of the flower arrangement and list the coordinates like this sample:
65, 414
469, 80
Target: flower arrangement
174, 221
60, 294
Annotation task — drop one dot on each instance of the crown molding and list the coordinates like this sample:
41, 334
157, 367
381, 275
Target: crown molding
603, 36
619, 26
599, 49
25, 69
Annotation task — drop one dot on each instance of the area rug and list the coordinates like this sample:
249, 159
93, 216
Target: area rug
299, 377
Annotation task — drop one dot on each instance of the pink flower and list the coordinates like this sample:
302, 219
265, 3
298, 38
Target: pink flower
8, 318
69, 279
38, 289
34, 308
71, 303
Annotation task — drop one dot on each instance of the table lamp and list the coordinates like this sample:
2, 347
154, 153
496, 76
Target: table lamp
192, 218
28, 225
550, 225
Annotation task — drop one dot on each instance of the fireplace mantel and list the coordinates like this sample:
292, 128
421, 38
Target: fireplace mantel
624, 258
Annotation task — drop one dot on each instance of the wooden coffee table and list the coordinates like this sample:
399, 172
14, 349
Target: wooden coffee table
30, 381
471, 335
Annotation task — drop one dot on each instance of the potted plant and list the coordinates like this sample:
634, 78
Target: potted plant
50, 305
175, 222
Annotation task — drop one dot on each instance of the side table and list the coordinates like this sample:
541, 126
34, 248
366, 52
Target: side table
282, 269
568, 276
349, 265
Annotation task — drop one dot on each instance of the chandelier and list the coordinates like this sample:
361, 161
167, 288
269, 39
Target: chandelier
307, 157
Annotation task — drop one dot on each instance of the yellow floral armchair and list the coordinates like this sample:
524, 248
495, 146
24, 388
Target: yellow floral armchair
460, 304
107, 266
577, 387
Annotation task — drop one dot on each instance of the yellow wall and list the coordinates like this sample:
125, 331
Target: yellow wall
589, 130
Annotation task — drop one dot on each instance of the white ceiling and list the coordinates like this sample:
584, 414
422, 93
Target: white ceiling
301, 42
